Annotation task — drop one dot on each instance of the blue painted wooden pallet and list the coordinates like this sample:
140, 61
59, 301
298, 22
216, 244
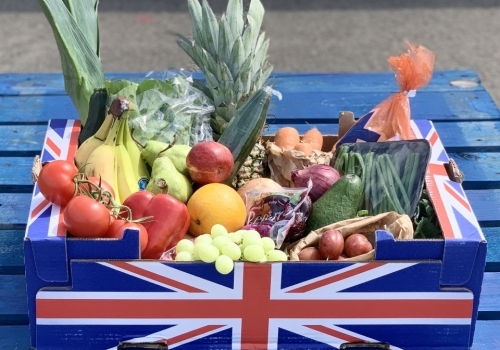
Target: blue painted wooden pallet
466, 119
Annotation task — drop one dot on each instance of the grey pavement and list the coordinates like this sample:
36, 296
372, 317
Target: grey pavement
306, 35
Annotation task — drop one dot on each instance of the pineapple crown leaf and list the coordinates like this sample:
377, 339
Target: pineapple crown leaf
211, 28
237, 57
225, 38
195, 13
234, 15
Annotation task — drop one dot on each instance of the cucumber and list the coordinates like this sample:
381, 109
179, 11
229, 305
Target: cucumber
97, 113
244, 130
339, 203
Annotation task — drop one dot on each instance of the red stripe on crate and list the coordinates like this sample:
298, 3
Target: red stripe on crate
230, 308
336, 278
73, 142
454, 194
430, 181
158, 278
39, 208
433, 138
52, 145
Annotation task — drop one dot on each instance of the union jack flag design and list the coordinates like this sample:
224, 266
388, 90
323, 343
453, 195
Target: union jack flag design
60, 142
448, 197
257, 306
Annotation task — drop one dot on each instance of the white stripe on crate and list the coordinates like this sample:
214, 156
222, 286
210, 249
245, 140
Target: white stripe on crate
69, 295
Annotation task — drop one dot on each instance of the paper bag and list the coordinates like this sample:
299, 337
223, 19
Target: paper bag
400, 226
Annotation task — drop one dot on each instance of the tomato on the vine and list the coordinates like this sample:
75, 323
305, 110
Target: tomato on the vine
86, 187
85, 217
56, 183
118, 227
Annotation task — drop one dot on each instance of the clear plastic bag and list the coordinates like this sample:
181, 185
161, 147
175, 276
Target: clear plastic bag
281, 215
390, 119
163, 105
393, 173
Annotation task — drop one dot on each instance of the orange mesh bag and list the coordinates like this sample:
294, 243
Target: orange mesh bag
390, 119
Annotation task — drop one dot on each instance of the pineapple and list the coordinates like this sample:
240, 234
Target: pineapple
255, 166
232, 54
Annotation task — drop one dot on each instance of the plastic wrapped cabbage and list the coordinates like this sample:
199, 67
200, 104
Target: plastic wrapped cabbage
162, 108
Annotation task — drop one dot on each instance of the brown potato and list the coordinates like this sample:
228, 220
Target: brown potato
331, 244
356, 244
310, 253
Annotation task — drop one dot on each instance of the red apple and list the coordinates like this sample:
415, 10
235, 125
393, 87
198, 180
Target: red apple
357, 244
331, 244
209, 162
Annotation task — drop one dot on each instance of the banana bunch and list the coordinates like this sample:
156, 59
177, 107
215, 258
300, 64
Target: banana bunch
113, 155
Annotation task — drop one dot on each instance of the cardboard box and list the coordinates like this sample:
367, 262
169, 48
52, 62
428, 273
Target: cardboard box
96, 294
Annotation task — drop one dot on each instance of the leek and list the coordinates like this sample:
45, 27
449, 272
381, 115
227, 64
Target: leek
75, 27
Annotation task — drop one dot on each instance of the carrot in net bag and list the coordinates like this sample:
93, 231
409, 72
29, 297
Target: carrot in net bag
390, 119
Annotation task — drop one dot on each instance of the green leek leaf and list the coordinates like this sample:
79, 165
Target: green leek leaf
81, 66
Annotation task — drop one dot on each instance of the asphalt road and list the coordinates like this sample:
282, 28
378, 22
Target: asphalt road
306, 35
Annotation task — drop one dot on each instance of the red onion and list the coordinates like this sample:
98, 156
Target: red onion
322, 176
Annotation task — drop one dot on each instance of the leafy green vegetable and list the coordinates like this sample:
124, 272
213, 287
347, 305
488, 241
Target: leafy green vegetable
74, 23
425, 222
164, 108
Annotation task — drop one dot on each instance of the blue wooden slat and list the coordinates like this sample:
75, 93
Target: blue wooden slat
14, 209
27, 140
15, 174
486, 336
36, 109
492, 235
294, 108
489, 305
486, 206
21, 140
53, 84
13, 300
15, 338
473, 136
11, 252
481, 169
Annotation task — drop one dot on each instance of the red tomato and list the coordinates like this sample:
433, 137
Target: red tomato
118, 227
85, 217
56, 181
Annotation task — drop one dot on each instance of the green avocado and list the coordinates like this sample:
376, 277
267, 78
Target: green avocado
339, 202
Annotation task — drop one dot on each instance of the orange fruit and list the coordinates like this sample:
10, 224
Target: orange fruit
215, 203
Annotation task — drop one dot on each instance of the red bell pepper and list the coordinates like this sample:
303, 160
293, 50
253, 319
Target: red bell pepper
169, 222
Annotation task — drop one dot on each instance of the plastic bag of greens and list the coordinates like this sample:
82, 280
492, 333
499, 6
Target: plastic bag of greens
164, 105
393, 173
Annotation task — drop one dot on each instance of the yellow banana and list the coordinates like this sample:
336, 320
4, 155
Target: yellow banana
126, 178
89, 145
102, 160
141, 173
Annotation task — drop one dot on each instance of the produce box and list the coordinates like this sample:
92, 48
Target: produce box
96, 293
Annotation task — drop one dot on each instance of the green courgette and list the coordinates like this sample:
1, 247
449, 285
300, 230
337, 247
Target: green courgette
244, 130
339, 202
